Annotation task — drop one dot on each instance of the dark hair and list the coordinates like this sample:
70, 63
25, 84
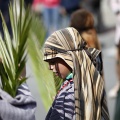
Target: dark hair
82, 20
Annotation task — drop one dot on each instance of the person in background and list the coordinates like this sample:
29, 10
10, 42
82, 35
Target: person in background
67, 7
50, 15
37, 7
115, 91
94, 6
82, 95
83, 21
115, 6
22, 107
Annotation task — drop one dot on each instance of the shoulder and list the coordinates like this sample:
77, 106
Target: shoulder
67, 93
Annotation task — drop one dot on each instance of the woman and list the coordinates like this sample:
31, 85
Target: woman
83, 21
82, 94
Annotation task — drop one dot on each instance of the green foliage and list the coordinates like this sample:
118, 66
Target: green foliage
28, 37
37, 30
40, 69
13, 49
57, 82
48, 83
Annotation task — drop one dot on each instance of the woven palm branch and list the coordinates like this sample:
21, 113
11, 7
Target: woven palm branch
13, 49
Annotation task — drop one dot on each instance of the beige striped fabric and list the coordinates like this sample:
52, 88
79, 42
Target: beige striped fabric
90, 98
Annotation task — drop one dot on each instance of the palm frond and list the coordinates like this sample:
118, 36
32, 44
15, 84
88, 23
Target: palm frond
57, 82
13, 49
13, 54
48, 83
38, 30
40, 68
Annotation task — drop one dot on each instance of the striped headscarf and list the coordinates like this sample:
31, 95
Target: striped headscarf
90, 98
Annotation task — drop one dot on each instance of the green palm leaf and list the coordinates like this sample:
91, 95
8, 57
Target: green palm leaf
40, 69
48, 83
28, 32
13, 49
57, 82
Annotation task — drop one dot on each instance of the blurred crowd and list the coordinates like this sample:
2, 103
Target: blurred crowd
56, 13
85, 16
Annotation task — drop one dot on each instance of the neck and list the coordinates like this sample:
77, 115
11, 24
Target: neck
70, 76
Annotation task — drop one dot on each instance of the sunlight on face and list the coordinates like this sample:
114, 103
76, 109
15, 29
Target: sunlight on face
59, 67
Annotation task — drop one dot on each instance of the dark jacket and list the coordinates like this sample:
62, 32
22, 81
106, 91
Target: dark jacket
70, 5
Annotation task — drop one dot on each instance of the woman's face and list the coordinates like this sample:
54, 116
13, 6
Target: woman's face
59, 67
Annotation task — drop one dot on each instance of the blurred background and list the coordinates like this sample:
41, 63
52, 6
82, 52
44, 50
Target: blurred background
105, 22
